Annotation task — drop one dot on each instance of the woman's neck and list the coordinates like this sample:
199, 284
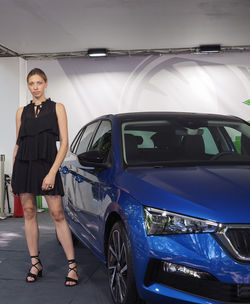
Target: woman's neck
39, 100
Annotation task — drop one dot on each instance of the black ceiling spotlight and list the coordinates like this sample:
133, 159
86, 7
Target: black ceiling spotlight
99, 52
210, 48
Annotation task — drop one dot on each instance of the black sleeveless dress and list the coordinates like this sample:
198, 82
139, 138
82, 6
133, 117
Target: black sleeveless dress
36, 150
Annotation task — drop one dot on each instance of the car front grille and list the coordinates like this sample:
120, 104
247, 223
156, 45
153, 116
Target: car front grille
235, 239
209, 288
240, 240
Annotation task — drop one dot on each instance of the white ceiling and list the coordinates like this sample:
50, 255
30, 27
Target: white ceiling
51, 26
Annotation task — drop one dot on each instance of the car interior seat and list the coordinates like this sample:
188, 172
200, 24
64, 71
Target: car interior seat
193, 146
167, 145
131, 148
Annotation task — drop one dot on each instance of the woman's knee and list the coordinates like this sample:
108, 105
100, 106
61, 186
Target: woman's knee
58, 216
29, 213
29, 205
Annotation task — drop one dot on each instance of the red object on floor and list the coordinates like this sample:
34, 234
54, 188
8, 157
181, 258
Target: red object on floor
18, 209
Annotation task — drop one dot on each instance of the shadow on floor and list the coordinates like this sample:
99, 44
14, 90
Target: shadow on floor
50, 289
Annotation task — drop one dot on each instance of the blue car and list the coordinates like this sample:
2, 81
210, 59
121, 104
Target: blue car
164, 200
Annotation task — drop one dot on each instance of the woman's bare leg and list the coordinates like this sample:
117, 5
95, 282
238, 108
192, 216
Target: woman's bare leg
62, 229
28, 201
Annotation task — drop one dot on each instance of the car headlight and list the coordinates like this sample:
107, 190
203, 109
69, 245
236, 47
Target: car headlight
159, 221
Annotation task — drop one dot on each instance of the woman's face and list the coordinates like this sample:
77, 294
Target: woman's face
37, 85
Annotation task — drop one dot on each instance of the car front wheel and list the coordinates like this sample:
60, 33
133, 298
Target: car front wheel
120, 267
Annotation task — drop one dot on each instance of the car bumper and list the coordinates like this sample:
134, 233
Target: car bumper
225, 280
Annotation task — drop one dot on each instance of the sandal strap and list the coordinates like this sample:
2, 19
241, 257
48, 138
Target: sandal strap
68, 279
38, 261
73, 269
72, 261
32, 275
34, 265
35, 256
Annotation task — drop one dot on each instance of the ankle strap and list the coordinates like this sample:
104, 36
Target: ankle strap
72, 261
35, 256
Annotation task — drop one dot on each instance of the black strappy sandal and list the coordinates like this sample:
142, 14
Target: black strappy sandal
68, 279
32, 275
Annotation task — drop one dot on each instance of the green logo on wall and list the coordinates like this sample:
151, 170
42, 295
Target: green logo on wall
247, 102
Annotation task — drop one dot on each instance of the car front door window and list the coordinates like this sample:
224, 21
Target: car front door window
86, 137
102, 139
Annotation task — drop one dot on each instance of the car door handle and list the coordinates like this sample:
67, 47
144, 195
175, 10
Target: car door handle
64, 170
79, 178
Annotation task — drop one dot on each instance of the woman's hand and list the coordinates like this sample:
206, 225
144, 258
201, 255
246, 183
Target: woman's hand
48, 182
11, 191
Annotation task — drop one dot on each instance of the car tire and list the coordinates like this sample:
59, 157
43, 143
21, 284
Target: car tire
120, 267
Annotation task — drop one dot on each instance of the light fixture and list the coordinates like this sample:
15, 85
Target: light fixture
210, 48
100, 52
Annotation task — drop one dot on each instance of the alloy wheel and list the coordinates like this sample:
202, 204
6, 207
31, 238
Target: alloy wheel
117, 266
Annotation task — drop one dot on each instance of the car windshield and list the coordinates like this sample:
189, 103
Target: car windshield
185, 141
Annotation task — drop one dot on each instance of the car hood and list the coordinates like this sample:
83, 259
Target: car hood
219, 193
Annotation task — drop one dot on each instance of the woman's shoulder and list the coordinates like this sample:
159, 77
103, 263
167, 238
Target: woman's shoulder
19, 111
59, 107
57, 104
60, 111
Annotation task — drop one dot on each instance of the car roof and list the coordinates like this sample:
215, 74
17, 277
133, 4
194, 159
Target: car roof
165, 115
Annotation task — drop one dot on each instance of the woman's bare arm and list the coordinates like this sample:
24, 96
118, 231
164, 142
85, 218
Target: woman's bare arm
18, 124
63, 134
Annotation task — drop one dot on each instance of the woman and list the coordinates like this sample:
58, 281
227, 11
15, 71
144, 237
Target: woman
35, 170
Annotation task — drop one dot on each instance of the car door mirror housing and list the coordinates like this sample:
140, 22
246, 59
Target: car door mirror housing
93, 159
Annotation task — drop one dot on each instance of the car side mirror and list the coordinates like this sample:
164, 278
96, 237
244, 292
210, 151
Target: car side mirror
93, 159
